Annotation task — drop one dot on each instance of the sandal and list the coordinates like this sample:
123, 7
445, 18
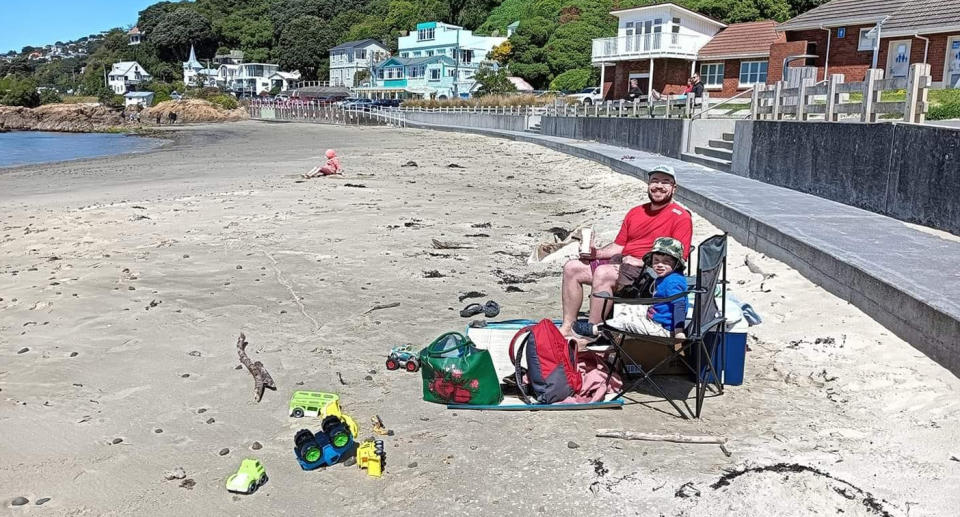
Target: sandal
491, 309
471, 310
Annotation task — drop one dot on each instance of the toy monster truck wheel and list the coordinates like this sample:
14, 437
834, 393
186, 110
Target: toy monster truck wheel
412, 366
392, 365
297, 413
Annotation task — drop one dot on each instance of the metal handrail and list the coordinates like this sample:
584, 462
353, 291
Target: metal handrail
725, 101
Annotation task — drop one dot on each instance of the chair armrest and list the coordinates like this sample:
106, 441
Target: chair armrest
643, 301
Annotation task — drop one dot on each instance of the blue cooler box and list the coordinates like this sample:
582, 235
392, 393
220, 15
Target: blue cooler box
729, 357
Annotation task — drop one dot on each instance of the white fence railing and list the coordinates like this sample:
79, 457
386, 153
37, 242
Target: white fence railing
311, 111
825, 100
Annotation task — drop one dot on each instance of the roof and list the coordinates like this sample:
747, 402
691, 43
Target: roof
133, 31
122, 67
906, 17
617, 12
358, 43
752, 39
520, 84
286, 75
138, 95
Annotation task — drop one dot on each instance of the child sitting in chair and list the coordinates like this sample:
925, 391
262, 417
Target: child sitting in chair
328, 169
666, 260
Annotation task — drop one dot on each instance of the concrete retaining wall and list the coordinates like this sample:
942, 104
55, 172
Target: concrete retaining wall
480, 120
661, 136
910, 172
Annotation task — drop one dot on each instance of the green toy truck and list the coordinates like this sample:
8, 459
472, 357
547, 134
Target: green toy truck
310, 403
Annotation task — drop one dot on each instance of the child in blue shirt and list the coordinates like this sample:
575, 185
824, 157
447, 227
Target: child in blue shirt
662, 319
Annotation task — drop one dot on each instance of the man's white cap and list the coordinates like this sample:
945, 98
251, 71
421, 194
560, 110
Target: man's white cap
663, 169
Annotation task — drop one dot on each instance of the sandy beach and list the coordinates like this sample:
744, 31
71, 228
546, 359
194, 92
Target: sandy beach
125, 281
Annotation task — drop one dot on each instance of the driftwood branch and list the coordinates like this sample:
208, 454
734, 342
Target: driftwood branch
261, 377
383, 306
654, 437
446, 245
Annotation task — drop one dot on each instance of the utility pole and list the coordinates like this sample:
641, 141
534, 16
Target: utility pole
456, 68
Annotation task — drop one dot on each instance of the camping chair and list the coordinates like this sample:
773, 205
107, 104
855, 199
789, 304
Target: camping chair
705, 331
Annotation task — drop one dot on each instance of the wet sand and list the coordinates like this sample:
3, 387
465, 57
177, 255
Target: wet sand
124, 283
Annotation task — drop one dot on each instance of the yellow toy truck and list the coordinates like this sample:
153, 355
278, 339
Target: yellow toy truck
370, 456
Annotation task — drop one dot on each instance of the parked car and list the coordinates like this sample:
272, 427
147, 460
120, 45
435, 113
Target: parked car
358, 104
386, 103
587, 96
347, 100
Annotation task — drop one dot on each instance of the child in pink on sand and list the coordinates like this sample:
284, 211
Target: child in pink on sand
328, 169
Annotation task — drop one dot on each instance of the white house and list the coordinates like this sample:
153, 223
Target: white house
346, 59
248, 78
125, 76
435, 60
193, 70
143, 99
135, 36
284, 80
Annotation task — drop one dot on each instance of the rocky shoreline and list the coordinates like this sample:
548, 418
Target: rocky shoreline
89, 118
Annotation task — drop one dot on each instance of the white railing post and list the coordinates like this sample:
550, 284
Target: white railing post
869, 84
831, 114
916, 90
754, 101
802, 97
778, 100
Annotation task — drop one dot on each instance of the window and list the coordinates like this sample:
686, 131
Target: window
866, 40
416, 54
451, 72
380, 74
434, 74
753, 72
425, 34
360, 53
466, 56
429, 53
416, 71
712, 75
394, 72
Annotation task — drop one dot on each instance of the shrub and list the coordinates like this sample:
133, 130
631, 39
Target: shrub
21, 93
225, 101
944, 111
571, 80
50, 97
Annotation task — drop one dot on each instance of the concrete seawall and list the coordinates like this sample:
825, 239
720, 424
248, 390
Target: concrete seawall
483, 120
661, 136
909, 172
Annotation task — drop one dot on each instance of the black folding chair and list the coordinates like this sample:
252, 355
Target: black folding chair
705, 331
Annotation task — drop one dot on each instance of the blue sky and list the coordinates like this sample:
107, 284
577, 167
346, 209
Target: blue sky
40, 22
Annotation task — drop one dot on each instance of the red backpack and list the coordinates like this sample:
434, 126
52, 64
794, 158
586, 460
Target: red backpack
551, 370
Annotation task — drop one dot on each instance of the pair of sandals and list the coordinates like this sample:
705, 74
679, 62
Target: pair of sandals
490, 309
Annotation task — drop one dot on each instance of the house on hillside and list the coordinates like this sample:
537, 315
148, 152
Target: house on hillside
141, 99
135, 36
658, 45
234, 57
437, 60
195, 74
843, 36
347, 59
126, 76
284, 81
248, 79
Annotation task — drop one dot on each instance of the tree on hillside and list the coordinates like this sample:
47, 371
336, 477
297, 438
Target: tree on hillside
180, 29
21, 92
802, 6
527, 57
149, 18
734, 11
299, 48
572, 80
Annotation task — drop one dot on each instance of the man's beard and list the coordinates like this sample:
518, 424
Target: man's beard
666, 200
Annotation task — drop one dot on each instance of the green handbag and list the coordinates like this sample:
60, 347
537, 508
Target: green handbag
457, 372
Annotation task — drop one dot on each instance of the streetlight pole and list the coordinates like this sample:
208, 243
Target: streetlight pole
456, 68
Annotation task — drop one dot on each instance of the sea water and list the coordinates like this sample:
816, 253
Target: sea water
29, 147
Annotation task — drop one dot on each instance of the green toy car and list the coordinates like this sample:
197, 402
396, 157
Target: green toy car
310, 403
250, 476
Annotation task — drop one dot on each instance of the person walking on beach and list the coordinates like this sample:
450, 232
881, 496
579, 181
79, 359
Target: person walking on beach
600, 269
159, 118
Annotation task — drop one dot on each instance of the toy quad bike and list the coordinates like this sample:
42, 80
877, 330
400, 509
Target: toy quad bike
403, 356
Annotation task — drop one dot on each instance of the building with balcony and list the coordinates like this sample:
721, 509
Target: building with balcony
126, 76
348, 59
247, 79
657, 45
437, 60
284, 81
134, 36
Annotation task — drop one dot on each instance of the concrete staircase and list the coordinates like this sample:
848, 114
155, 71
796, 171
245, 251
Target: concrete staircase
535, 129
717, 155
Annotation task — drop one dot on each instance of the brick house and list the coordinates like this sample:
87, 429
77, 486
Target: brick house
738, 57
842, 34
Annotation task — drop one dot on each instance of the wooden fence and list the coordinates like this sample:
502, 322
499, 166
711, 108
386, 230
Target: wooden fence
778, 101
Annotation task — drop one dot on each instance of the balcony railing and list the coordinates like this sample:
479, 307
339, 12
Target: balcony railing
647, 46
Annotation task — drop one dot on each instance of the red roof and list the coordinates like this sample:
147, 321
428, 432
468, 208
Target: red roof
752, 39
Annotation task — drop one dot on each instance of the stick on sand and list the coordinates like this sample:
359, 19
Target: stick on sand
261, 377
654, 437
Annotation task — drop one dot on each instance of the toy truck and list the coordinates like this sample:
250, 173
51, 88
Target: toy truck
403, 356
250, 476
370, 456
311, 403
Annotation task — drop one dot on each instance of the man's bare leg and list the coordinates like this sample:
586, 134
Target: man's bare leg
576, 274
604, 279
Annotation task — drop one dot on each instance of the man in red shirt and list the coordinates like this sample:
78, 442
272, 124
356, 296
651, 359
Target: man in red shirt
661, 217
